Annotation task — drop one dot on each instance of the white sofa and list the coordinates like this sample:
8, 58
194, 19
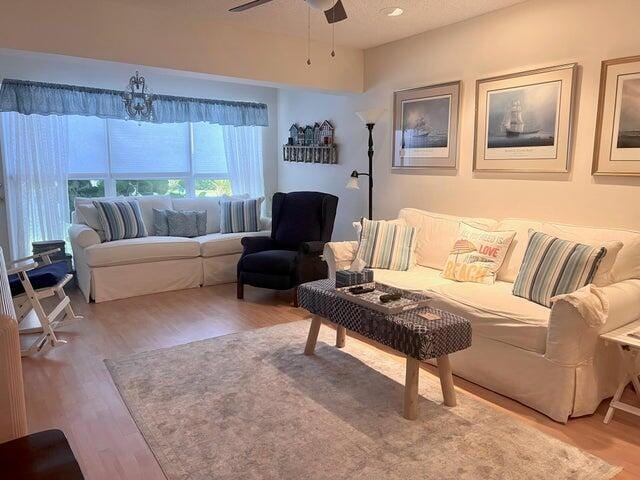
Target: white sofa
547, 358
140, 266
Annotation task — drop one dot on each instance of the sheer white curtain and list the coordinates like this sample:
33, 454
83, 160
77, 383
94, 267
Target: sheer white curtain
35, 152
243, 150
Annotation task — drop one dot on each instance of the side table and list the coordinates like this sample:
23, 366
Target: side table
629, 348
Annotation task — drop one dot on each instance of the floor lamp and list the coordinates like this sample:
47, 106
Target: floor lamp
369, 117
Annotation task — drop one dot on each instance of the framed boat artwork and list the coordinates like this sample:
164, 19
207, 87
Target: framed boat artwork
425, 125
617, 143
523, 121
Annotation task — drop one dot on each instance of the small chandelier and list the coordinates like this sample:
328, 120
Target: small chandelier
138, 102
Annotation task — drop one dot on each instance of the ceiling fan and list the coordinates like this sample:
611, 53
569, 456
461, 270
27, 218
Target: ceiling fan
333, 9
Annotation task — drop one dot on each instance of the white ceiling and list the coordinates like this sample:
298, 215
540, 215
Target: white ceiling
366, 27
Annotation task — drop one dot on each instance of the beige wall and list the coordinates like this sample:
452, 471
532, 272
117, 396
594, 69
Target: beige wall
533, 34
173, 39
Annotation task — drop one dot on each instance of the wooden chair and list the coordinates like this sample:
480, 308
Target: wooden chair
32, 279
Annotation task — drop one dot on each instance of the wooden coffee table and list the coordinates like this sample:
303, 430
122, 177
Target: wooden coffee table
407, 333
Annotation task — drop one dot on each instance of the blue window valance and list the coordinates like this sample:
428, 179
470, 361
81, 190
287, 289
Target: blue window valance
54, 99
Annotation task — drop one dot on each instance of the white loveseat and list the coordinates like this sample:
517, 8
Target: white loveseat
140, 266
547, 358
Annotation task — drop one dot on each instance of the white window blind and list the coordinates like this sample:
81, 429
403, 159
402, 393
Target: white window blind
148, 148
208, 150
88, 153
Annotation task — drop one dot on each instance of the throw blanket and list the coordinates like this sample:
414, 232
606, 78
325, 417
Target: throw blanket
590, 301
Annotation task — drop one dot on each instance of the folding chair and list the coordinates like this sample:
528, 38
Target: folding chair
32, 279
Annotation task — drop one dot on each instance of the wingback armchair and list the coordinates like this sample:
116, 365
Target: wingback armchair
302, 222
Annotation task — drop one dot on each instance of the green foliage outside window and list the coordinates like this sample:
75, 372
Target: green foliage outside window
128, 188
212, 188
84, 188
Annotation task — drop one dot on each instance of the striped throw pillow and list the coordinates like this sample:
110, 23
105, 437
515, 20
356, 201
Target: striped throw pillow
120, 220
386, 245
552, 266
240, 215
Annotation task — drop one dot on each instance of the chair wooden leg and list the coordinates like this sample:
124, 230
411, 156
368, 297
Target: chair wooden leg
314, 329
240, 290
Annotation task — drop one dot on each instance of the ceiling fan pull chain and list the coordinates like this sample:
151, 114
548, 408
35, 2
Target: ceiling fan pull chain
309, 35
333, 36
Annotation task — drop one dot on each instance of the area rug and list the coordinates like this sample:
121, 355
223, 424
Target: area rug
252, 406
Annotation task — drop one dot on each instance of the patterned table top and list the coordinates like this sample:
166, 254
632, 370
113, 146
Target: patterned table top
405, 332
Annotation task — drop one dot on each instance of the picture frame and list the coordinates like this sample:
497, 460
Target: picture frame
425, 127
523, 121
616, 149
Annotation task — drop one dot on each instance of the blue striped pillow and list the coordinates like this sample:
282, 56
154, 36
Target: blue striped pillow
552, 266
386, 245
240, 215
120, 220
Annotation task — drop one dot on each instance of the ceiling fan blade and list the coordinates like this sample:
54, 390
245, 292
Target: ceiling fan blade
337, 13
247, 6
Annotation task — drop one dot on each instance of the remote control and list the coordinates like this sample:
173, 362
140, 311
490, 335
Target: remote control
390, 297
359, 290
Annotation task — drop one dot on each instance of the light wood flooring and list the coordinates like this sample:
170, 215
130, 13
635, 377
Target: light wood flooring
70, 388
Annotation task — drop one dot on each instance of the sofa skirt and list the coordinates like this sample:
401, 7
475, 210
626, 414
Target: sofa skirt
124, 281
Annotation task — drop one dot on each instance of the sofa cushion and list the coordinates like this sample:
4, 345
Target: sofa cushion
141, 250
416, 278
512, 261
218, 244
437, 233
276, 262
210, 204
147, 204
495, 313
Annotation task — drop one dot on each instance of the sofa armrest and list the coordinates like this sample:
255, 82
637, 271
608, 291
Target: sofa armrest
570, 339
265, 223
312, 248
339, 255
83, 236
257, 244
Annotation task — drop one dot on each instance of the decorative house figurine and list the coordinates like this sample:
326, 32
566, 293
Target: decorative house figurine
308, 135
311, 144
317, 138
293, 134
326, 132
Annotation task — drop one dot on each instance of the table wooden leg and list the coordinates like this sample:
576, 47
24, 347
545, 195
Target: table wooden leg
411, 389
310, 348
341, 334
446, 381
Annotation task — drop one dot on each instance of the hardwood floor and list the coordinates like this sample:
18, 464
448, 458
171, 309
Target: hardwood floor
70, 388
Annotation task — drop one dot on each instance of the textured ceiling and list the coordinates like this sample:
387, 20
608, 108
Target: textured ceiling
366, 27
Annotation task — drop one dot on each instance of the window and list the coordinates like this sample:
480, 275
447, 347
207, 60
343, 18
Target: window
126, 158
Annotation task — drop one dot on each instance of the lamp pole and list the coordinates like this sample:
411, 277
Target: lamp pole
370, 153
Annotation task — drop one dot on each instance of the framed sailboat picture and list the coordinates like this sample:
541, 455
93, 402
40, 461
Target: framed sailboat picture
617, 144
425, 125
523, 121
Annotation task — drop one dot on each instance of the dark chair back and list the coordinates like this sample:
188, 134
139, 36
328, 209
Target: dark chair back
302, 217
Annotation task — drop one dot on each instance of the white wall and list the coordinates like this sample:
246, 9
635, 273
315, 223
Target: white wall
60, 69
529, 35
303, 108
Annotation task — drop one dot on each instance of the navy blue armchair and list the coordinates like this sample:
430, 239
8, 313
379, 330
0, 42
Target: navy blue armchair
302, 222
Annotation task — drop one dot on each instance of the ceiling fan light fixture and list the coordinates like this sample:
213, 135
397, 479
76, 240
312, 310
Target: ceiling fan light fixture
392, 11
321, 4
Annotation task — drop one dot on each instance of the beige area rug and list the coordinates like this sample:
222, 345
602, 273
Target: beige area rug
251, 406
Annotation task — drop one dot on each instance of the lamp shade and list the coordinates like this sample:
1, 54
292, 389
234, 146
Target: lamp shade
353, 183
371, 115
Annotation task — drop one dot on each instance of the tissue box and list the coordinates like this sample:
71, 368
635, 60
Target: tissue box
349, 278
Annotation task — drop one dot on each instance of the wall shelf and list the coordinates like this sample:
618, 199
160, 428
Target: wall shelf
324, 154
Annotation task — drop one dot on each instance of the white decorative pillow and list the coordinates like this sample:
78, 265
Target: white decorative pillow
385, 245
477, 254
